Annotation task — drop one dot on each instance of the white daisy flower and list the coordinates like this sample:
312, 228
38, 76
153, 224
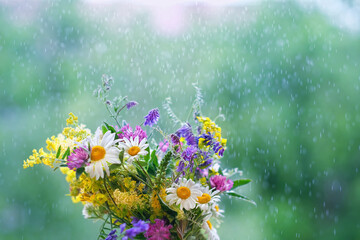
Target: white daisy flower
211, 231
88, 207
102, 152
184, 193
217, 212
208, 198
133, 149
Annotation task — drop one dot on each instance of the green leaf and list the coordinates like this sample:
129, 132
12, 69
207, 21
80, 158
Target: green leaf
111, 128
147, 156
79, 171
153, 164
234, 194
141, 174
166, 208
240, 182
66, 154
58, 152
154, 159
104, 129
121, 156
114, 166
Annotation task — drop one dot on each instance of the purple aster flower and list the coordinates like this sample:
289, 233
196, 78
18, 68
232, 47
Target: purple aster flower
152, 117
77, 158
139, 226
202, 170
218, 148
186, 132
112, 235
208, 140
206, 163
189, 153
221, 183
181, 166
187, 162
131, 104
175, 139
158, 231
122, 227
127, 132
221, 152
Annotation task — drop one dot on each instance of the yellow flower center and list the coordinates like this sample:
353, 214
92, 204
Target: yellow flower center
209, 224
97, 153
134, 150
205, 198
183, 192
217, 208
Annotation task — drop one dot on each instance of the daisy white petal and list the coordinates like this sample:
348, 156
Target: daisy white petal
184, 194
103, 151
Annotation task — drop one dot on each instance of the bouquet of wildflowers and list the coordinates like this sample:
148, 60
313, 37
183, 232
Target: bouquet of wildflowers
139, 188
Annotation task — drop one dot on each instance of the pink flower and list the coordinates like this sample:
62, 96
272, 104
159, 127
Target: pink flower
127, 132
163, 146
158, 231
220, 183
77, 158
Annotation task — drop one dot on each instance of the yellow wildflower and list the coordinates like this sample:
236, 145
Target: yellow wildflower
72, 120
64, 140
128, 200
98, 199
129, 184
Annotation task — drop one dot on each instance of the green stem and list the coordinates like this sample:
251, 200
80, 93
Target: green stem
191, 109
109, 193
136, 177
143, 170
112, 115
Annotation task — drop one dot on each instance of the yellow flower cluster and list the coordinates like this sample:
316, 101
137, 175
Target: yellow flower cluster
72, 120
77, 133
211, 127
130, 199
48, 158
84, 189
64, 140
155, 203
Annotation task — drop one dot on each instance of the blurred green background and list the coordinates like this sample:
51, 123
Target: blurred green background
285, 74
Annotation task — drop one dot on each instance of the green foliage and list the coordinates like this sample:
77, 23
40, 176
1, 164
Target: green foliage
240, 182
110, 128
161, 171
79, 171
66, 154
153, 164
234, 194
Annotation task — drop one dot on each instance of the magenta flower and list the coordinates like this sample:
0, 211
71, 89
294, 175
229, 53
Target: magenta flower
127, 132
158, 231
221, 183
77, 158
